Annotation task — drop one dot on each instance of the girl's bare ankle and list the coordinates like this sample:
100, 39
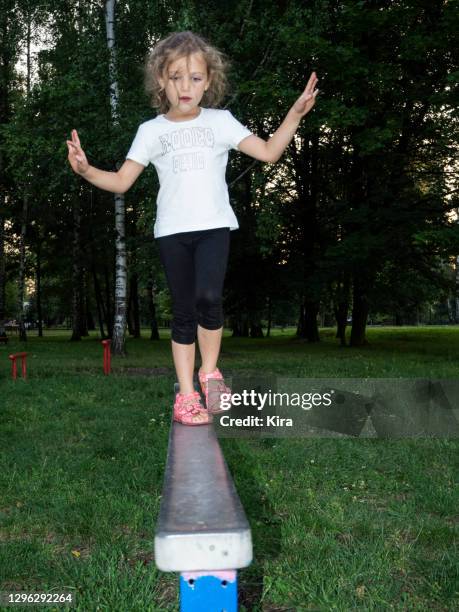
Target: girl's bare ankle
206, 370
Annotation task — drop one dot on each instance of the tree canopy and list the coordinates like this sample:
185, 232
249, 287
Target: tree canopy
356, 222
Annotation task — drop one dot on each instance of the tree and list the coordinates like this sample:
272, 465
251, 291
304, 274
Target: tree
119, 326
11, 33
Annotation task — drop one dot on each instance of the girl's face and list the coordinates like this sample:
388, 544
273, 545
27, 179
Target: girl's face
185, 81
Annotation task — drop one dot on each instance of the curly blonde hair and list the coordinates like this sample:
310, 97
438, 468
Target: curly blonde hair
183, 44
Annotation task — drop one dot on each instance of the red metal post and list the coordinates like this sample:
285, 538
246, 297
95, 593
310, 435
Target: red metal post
107, 356
13, 367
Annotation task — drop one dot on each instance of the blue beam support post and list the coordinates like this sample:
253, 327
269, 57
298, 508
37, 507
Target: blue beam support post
208, 591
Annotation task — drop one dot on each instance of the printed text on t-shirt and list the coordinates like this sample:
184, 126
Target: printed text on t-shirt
185, 138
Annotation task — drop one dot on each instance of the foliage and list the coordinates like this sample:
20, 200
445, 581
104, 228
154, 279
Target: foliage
365, 190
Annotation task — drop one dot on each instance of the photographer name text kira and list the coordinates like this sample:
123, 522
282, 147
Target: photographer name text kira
255, 421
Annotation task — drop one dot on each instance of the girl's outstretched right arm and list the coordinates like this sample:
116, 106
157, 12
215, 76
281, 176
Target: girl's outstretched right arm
116, 182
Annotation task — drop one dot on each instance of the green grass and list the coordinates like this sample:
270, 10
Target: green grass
337, 524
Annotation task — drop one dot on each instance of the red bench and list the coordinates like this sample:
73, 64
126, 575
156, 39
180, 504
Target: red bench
14, 370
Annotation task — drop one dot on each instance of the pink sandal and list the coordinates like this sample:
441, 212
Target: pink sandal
188, 410
216, 390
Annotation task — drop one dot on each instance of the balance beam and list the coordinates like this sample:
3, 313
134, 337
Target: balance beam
202, 530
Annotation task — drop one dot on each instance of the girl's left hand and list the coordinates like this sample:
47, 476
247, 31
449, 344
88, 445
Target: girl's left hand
307, 99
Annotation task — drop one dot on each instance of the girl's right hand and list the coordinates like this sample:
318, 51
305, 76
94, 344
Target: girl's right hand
76, 156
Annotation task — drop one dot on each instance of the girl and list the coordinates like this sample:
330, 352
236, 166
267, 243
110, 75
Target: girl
188, 144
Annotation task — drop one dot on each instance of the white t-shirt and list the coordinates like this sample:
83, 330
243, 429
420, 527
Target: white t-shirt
190, 158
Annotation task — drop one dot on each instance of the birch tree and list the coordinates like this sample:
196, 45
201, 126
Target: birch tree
119, 325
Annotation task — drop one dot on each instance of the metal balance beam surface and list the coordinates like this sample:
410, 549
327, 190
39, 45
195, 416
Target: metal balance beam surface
201, 524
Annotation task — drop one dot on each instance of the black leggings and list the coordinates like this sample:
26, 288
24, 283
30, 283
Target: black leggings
195, 265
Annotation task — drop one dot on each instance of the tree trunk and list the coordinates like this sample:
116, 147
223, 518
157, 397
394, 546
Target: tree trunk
21, 283
129, 324
135, 305
11, 36
300, 324
101, 313
450, 307
84, 301
25, 204
133, 314
99, 301
341, 309
341, 321
307, 322
108, 303
306, 163
90, 324
240, 326
2, 272
119, 322
457, 291
360, 310
268, 330
77, 281
119, 325
256, 330
38, 287
311, 328
152, 309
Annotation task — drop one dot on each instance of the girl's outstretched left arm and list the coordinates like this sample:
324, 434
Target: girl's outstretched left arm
271, 150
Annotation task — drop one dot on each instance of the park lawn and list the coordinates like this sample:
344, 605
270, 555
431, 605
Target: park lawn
337, 523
